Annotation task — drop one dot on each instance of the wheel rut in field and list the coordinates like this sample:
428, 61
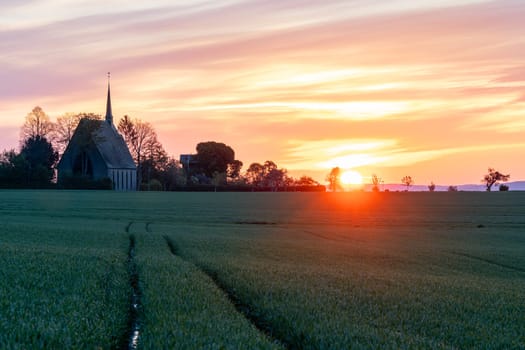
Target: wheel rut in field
255, 222
491, 262
242, 307
128, 226
131, 339
328, 238
147, 227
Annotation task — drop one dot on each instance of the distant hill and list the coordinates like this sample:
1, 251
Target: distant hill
513, 186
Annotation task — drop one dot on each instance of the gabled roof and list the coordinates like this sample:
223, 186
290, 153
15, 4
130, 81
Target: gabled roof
112, 147
105, 137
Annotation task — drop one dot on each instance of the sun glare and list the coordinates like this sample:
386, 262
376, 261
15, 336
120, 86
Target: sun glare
351, 177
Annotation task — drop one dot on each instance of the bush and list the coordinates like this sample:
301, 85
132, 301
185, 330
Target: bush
503, 187
452, 188
153, 185
85, 183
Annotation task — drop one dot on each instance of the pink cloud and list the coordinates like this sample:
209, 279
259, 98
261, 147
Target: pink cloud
184, 71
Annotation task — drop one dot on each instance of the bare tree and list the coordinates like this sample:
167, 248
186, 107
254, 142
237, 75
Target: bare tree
127, 130
65, 127
141, 138
407, 181
37, 123
493, 178
63, 131
375, 183
334, 179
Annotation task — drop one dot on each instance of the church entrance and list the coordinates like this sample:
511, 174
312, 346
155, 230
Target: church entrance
83, 166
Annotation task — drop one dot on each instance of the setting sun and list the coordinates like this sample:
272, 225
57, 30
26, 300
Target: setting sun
351, 177
310, 87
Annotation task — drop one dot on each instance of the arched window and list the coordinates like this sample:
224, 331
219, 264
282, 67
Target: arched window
83, 166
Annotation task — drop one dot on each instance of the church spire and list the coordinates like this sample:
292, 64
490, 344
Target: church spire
109, 115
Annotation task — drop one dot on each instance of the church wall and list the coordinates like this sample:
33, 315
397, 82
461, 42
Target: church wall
123, 179
100, 169
66, 166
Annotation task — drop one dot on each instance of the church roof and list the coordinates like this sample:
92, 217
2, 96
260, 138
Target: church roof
106, 139
112, 147
109, 114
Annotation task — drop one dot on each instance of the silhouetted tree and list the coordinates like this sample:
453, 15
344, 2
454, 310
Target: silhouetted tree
63, 130
126, 128
276, 178
173, 175
255, 174
407, 181
452, 188
432, 187
37, 123
155, 160
146, 150
306, 181
268, 175
334, 179
375, 183
214, 157
503, 188
40, 159
493, 178
65, 127
234, 171
13, 170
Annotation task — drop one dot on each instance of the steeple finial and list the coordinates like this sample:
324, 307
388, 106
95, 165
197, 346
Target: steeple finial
109, 115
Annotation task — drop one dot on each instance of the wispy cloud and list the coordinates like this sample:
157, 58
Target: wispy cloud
422, 79
355, 153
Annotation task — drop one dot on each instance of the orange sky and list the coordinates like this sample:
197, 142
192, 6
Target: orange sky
431, 89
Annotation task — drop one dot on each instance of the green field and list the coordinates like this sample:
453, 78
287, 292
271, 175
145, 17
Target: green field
262, 270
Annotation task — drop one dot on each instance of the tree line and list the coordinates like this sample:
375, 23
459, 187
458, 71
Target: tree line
492, 178
213, 166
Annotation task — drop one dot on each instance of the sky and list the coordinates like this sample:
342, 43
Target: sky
433, 89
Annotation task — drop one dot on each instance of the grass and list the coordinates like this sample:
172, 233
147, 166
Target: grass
310, 270
62, 290
184, 309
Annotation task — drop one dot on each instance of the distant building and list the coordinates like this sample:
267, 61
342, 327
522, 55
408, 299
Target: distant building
188, 162
192, 169
97, 151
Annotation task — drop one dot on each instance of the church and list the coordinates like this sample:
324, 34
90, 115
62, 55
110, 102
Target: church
98, 152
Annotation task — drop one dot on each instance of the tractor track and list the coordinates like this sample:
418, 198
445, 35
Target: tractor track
130, 340
489, 261
243, 308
